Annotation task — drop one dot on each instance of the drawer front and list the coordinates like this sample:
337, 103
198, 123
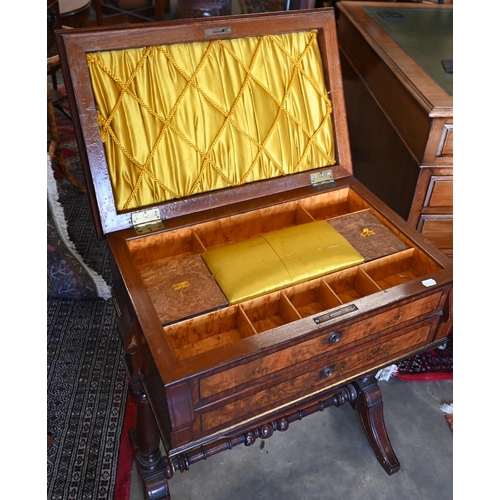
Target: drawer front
331, 371
439, 192
439, 148
445, 148
438, 228
333, 340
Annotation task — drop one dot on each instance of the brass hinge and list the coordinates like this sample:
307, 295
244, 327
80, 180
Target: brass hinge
147, 221
323, 178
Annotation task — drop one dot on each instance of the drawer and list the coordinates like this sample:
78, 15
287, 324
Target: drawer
438, 228
439, 192
445, 148
330, 340
315, 377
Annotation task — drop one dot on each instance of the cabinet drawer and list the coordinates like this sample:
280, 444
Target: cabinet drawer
321, 375
438, 228
445, 148
439, 192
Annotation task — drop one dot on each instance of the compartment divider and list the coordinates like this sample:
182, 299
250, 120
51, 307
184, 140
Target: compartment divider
365, 284
312, 297
244, 325
328, 296
351, 284
287, 309
303, 216
198, 246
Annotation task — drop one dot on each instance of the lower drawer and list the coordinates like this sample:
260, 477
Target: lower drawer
438, 228
439, 192
329, 372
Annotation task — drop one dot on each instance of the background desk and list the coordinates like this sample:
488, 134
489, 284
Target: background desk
399, 102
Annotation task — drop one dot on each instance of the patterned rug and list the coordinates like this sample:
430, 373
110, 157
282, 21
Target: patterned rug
435, 364
86, 378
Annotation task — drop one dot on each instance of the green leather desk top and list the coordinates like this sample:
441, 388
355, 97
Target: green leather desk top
425, 34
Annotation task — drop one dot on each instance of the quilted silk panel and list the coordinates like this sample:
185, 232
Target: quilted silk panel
189, 118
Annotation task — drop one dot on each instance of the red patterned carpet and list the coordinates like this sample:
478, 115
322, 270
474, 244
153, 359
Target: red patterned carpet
435, 364
126, 457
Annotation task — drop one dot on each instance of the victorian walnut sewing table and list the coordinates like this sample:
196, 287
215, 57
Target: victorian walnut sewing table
228, 136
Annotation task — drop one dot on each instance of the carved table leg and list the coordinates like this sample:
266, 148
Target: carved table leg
370, 407
151, 465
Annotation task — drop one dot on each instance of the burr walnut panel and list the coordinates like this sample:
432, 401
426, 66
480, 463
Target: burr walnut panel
328, 372
318, 346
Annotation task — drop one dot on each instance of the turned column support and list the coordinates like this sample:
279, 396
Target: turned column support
370, 407
153, 467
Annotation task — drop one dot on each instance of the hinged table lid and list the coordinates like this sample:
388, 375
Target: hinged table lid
184, 116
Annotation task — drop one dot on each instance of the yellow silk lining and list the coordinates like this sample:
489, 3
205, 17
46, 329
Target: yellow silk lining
178, 120
282, 258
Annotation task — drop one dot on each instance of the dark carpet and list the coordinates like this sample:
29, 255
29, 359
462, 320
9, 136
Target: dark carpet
86, 379
434, 364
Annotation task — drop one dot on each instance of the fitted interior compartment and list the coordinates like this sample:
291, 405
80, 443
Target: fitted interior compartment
312, 297
167, 245
207, 332
215, 329
351, 284
333, 204
212, 330
270, 311
156, 254
400, 268
157, 249
241, 227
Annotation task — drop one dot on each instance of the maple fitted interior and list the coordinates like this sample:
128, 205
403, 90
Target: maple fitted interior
209, 330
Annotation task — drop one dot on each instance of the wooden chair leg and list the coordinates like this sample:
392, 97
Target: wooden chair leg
55, 150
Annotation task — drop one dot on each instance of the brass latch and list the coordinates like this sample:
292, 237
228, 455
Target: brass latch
325, 177
147, 221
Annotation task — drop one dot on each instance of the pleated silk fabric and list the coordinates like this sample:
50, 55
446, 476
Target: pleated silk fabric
190, 118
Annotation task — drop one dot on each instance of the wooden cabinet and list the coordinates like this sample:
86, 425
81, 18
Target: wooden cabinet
400, 108
195, 146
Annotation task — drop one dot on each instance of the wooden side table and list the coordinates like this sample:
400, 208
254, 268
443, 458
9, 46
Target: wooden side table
75, 13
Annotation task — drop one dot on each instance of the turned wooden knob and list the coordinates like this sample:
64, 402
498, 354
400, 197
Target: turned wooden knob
334, 337
326, 372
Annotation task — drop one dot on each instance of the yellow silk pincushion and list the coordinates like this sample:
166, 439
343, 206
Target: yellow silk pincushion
279, 259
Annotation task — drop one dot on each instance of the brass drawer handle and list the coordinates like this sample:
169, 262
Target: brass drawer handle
334, 337
326, 372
